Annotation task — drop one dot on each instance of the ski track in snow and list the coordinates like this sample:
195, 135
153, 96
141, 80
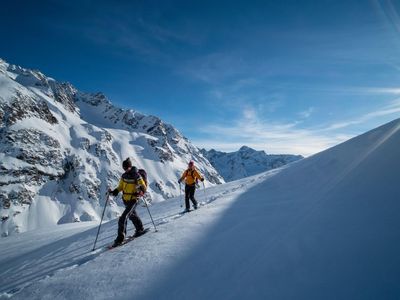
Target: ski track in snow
64, 254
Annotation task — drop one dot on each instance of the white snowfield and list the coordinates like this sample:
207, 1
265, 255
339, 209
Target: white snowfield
326, 227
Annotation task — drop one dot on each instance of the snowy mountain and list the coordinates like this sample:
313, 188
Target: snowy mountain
325, 227
61, 148
246, 162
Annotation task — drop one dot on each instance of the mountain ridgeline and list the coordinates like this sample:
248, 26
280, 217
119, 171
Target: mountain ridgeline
246, 162
62, 148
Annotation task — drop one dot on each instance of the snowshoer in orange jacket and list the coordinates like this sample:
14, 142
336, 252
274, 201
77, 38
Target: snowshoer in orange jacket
190, 176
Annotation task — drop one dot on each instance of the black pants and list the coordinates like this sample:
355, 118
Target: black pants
129, 213
189, 194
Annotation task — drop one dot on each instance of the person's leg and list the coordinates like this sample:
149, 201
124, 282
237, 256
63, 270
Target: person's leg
136, 220
122, 224
187, 195
191, 195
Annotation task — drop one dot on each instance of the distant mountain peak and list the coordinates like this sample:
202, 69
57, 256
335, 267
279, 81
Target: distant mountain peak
246, 149
245, 162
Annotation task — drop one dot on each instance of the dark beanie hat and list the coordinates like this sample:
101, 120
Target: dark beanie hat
126, 163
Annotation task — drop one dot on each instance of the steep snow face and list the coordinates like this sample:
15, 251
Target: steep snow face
61, 149
326, 227
246, 162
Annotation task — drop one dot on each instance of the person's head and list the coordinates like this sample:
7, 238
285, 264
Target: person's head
191, 164
127, 164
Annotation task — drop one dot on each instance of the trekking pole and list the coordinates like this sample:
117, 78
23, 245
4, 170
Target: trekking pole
180, 193
204, 189
145, 202
101, 220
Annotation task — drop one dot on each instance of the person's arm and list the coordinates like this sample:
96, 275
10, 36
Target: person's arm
183, 176
198, 176
142, 186
116, 191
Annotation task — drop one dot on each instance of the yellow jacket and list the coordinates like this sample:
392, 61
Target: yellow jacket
190, 176
131, 184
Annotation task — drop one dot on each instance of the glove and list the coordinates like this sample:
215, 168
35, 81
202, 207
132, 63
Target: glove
138, 194
114, 192
179, 181
202, 179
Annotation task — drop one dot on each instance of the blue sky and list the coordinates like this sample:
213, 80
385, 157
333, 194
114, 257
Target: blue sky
280, 76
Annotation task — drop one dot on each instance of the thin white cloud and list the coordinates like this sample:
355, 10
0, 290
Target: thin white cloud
392, 108
274, 138
383, 90
307, 113
279, 138
249, 113
389, 14
348, 90
215, 68
295, 141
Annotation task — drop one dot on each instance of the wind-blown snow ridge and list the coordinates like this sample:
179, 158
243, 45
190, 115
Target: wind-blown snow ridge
326, 227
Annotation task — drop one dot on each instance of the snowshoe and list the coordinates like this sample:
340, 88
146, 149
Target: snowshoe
129, 238
140, 232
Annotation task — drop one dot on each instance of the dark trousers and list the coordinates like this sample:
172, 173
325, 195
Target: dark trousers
129, 213
189, 194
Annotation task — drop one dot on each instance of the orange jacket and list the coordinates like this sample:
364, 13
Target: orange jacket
190, 176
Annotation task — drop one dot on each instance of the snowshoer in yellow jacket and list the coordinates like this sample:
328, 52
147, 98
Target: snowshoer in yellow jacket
190, 176
132, 187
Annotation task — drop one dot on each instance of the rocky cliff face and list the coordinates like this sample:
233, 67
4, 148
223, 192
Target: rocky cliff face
61, 149
246, 162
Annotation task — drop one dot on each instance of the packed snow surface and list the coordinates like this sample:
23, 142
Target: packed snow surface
326, 227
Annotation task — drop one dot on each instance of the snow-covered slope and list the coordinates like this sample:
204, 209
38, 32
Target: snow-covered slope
246, 162
61, 148
326, 227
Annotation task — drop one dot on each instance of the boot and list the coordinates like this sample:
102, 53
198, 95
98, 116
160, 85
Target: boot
139, 232
116, 243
